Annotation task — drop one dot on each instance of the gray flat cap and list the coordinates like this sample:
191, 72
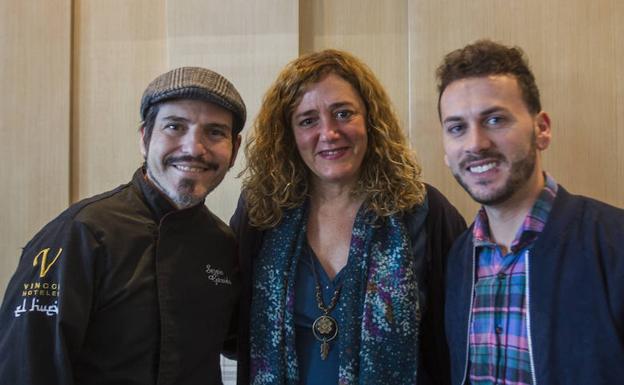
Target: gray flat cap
195, 83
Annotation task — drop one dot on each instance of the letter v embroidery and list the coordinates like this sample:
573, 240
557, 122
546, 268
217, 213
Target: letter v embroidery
44, 259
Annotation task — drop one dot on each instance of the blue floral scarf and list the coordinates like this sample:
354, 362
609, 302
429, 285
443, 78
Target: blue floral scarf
380, 313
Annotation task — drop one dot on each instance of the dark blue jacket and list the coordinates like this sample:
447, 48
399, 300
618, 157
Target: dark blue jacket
575, 296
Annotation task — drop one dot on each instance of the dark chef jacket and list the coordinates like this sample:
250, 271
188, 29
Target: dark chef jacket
121, 288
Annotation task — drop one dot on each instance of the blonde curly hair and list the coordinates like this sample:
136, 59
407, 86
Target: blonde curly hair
276, 178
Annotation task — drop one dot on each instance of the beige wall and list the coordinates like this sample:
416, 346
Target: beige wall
73, 71
35, 79
574, 48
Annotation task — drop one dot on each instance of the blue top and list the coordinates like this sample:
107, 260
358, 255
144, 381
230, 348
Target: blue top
312, 369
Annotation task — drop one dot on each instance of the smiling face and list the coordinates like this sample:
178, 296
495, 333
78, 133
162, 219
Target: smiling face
329, 125
491, 139
190, 150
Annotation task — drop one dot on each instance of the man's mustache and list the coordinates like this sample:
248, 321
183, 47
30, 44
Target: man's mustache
485, 154
192, 159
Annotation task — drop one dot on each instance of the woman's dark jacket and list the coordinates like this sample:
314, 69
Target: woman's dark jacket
443, 224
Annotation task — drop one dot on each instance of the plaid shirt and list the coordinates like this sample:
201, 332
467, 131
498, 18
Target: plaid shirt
499, 349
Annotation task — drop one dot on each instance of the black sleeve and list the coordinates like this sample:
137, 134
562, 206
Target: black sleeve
249, 238
47, 304
249, 242
230, 345
239, 216
444, 224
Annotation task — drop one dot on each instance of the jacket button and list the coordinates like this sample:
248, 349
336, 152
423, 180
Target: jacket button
501, 275
499, 330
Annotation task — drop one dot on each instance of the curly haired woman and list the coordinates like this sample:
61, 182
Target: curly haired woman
342, 245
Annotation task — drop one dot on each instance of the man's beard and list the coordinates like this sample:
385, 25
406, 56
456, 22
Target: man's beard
519, 173
183, 197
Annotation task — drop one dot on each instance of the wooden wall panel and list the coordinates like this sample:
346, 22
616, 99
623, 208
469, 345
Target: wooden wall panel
375, 31
35, 41
247, 42
617, 41
119, 47
571, 46
74, 72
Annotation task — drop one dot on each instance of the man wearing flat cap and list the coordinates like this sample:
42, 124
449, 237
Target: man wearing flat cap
136, 285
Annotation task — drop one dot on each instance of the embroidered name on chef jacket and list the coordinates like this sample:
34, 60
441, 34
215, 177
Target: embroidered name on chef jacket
217, 276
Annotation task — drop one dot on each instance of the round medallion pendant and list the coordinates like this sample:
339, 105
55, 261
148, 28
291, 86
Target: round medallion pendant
325, 328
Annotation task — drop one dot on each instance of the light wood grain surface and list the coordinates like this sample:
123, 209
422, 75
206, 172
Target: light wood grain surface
574, 48
246, 41
73, 71
35, 41
119, 47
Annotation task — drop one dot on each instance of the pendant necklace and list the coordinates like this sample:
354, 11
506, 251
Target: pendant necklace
325, 327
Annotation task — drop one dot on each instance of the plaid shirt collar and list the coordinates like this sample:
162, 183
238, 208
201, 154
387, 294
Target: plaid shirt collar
532, 225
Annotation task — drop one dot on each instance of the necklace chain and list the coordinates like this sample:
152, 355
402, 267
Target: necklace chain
332, 303
325, 327
319, 295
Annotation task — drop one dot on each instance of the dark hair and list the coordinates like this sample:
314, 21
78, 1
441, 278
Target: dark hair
148, 123
484, 58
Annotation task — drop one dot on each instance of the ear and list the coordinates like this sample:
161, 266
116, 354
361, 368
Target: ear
236, 142
142, 143
446, 161
543, 132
